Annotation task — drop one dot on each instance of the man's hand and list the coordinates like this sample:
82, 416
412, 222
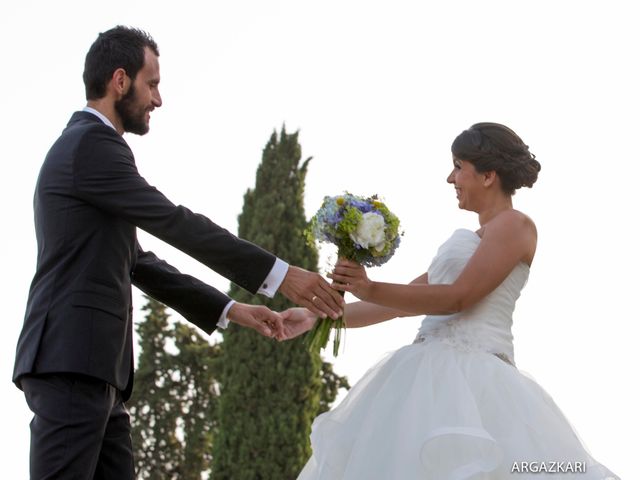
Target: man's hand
312, 291
296, 322
258, 317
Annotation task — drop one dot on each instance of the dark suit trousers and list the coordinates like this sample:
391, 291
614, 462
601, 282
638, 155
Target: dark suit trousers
80, 429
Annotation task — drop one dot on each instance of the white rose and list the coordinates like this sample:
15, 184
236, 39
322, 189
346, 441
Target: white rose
370, 232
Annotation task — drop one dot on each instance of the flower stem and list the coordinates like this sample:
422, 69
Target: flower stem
318, 337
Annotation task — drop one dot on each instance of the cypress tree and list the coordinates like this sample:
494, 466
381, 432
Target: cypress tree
197, 390
174, 399
270, 391
156, 446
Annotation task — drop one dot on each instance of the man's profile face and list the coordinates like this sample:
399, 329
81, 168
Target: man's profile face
142, 98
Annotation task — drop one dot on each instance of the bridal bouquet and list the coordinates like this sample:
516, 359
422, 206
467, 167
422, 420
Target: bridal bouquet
365, 231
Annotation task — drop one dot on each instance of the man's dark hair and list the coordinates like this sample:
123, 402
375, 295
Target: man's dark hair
120, 47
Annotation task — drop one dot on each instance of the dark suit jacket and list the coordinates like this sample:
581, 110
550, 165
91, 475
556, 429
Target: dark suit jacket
89, 199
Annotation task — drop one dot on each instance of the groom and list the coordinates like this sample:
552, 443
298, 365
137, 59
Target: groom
74, 357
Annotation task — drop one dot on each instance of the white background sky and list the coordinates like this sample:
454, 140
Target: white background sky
378, 91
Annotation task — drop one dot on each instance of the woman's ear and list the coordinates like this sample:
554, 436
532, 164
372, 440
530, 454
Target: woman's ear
489, 178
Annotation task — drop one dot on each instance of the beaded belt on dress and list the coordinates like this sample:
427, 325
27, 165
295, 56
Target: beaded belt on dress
460, 344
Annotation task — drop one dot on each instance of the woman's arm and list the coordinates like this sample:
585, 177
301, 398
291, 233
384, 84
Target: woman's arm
362, 314
357, 314
508, 239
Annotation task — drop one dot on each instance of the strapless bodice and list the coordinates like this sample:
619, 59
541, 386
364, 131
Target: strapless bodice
487, 325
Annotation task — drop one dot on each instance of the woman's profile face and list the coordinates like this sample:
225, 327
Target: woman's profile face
468, 183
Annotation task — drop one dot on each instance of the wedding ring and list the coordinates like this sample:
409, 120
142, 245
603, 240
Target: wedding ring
313, 299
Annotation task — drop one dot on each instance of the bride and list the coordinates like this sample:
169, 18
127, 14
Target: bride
452, 405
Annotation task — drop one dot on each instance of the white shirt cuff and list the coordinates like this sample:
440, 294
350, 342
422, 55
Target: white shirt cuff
274, 279
223, 321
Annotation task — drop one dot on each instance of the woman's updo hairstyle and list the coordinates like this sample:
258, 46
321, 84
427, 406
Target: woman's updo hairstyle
494, 147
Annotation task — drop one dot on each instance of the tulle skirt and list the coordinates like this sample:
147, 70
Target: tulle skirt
431, 411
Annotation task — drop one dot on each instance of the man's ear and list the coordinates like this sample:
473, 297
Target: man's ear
120, 83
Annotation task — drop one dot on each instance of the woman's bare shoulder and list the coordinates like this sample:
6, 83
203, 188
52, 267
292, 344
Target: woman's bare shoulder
513, 221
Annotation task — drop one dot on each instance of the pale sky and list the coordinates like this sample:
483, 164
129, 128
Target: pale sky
378, 91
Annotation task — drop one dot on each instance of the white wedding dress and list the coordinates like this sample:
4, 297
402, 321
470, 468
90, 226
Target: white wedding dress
452, 405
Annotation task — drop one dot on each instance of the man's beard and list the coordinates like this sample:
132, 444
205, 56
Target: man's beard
131, 114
